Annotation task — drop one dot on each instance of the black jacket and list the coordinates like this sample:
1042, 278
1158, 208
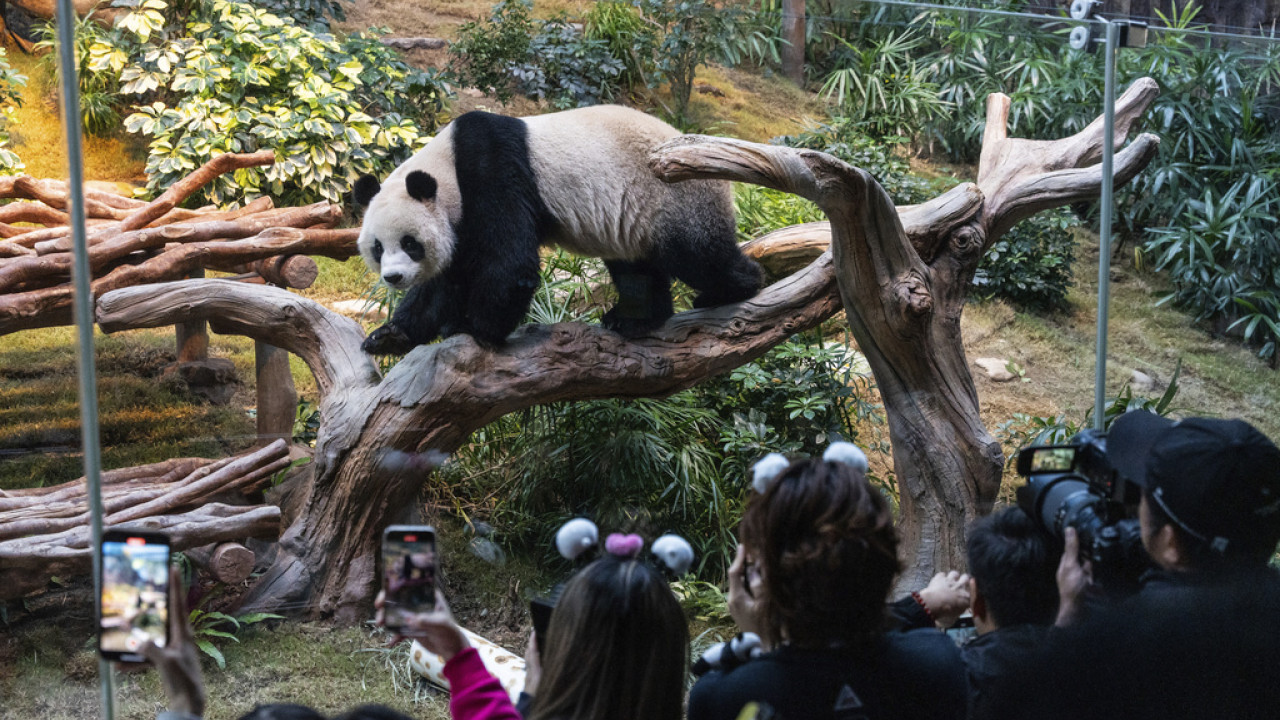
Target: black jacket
910, 675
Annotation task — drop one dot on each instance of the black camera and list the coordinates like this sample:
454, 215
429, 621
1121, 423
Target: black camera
1075, 486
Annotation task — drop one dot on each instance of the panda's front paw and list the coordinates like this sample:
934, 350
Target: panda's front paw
630, 327
387, 340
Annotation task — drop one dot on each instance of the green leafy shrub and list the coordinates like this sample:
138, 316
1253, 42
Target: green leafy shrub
309, 13
10, 99
216, 76
690, 32
761, 210
629, 38
567, 68
880, 87
543, 59
844, 138
1223, 258
1030, 265
99, 94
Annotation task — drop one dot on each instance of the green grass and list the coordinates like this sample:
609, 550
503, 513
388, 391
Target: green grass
143, 417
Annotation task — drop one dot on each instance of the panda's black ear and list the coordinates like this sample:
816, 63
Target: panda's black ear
365, 188
421, 186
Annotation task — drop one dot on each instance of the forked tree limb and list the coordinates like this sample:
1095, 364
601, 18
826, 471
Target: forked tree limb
1021, 177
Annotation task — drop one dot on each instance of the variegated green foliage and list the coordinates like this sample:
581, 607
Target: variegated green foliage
214, 76
10, 99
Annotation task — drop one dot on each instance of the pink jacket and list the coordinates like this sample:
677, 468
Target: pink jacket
476, 693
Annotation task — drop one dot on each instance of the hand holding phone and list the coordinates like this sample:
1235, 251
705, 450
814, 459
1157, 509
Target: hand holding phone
409, 572
134, 606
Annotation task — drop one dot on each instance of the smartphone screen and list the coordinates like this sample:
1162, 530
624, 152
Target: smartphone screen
540, 610
408, 572
134, 606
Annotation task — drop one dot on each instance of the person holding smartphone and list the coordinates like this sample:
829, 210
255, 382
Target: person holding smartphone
617, 648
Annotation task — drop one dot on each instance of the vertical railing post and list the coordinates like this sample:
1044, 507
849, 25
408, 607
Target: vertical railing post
83, 306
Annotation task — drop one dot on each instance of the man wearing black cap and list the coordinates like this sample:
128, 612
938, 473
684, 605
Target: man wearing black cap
1201, 639
1210, 506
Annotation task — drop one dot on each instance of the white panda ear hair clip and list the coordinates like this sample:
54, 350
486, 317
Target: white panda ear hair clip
846, 453
768, 468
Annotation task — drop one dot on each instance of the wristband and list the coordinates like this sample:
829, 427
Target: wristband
920, 601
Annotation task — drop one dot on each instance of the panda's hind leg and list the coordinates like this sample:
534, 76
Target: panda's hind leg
712, 265
644, 298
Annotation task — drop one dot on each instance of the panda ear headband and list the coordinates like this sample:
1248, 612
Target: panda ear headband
578, 541
768, 468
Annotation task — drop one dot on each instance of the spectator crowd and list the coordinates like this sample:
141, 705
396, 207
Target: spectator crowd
821, 638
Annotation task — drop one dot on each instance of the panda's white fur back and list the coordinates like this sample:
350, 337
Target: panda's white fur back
592, 167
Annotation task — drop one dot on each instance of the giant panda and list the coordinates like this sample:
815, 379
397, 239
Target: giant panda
458, 225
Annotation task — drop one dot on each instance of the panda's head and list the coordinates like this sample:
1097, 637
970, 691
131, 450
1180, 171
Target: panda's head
407, 235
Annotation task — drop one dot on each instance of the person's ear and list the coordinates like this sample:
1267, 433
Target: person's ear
977, 603
1168, 551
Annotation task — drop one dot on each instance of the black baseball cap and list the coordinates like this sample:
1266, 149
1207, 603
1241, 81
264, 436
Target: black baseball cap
1219, 480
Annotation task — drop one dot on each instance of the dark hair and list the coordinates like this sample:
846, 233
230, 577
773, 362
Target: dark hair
282, 711
1199, 554
617, 647
828, 553
1010, 560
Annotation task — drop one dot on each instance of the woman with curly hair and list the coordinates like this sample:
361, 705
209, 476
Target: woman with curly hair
817, 560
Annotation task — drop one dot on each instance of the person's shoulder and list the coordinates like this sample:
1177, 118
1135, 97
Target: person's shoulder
926, 654
721, 694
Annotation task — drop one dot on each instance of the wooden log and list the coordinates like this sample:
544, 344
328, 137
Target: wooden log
228, 562
33, 212
185, 187
277, 396
10, 249
165, 471
51, 306
289, 271
27, 564
192, 337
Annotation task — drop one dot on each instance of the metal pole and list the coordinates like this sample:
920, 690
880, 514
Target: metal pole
1104, 232
83, 307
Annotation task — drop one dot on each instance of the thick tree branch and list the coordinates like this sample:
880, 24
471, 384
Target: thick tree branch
329, 343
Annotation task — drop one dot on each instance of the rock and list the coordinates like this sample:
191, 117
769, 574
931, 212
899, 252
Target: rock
360, 310
213, 379
1141, 382
996, 369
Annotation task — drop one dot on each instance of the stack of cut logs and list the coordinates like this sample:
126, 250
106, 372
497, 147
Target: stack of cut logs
132, 242
44, 532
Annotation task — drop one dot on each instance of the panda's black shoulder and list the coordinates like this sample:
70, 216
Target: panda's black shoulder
481, 138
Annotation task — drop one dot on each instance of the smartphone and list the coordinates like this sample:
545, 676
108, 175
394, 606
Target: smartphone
408, 572
963, 631
540, 611
134, 606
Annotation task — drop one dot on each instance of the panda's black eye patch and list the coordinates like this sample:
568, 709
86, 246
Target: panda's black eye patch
411, 247
377, 251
